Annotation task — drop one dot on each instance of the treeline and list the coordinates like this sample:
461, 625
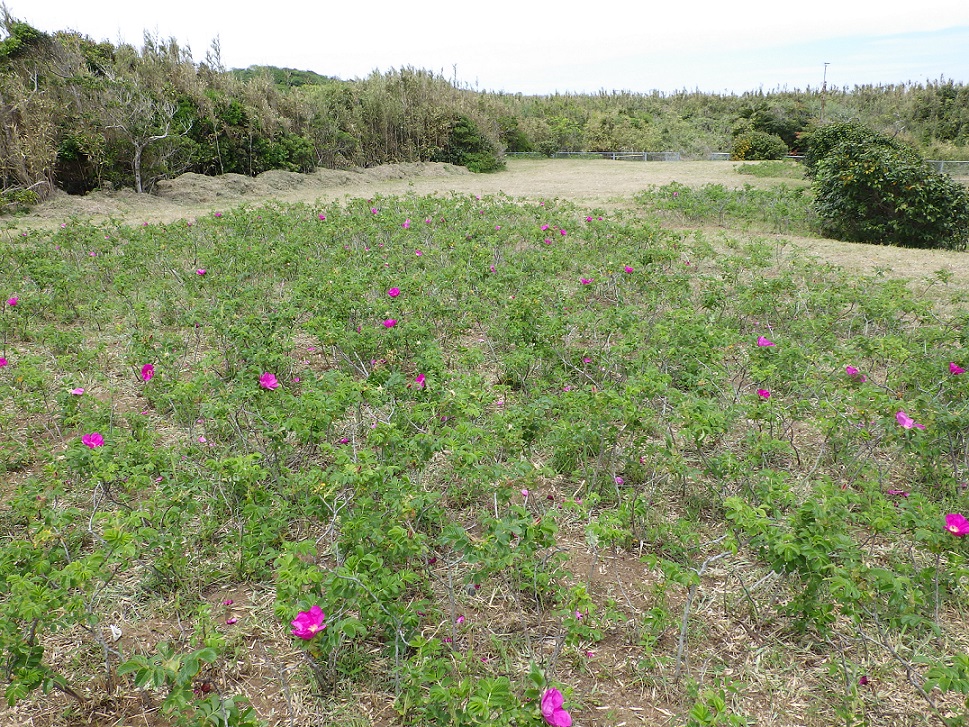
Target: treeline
932, 117
79, 115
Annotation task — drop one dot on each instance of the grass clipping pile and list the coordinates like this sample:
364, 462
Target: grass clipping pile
191, 194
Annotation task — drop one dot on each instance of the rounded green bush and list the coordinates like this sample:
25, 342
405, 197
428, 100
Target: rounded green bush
824, 139
880, 192
757, 145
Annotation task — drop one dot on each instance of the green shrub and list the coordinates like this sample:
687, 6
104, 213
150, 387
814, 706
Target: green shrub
785, 118
881, 192
17, 200
291, 152
468, 147
21, 37
824, 139
751, 145
548, 147
512, 136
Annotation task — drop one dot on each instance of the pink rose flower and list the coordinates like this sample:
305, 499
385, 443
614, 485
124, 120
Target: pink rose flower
957, 524
552, 711
308, 624
906, 422
92, 440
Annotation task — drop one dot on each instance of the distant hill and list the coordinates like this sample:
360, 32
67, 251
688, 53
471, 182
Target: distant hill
288, 77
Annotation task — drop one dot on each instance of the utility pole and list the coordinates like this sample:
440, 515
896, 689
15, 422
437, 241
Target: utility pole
824, 89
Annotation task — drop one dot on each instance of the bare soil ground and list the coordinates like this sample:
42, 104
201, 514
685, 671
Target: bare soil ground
593, 183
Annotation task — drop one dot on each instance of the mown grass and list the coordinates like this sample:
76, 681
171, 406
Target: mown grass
566, 463
779, 169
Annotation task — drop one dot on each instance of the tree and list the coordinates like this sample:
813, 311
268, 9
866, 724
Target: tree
785, 118
143, 121
28, 144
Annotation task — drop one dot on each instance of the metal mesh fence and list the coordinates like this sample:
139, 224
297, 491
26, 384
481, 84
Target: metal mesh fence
636, 156
952, 168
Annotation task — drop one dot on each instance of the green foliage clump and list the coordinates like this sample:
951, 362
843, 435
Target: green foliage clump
785, 118
97, 56
286, 77
21, 37
753, 145
17, 200
514, 139
547, 147
869, 188
823, 140
467, 147
942, 111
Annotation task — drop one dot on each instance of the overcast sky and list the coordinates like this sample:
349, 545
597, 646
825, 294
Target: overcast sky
539, 46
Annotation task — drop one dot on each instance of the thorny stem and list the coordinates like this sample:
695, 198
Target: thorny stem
913, 678
681, 646
281, 671
450, 599
559, 643
396, 621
